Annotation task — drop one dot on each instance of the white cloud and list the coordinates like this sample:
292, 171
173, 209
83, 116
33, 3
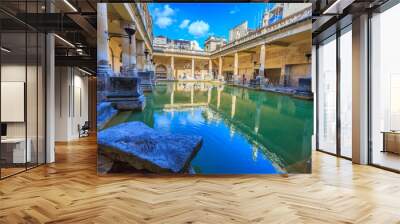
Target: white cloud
166, 12
184, 24
163, 22
234, 11
199, 28
195, 45
163, 16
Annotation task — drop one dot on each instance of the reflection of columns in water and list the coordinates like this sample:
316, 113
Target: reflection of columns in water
172, 97
192, 95
258, 115
255, 152
231, 131
219, 98
233, 106
209, 95
279, 106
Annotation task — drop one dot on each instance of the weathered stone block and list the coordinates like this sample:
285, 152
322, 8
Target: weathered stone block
105, 112
125, 93
147, 80
144, 148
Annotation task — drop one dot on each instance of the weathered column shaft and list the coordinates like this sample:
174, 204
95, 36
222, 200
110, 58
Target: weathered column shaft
172, 67
236, 65
192, 67
262, 60
102, 34
210, 67
125, 51
132, 50
140, 54
128, 51
220, 66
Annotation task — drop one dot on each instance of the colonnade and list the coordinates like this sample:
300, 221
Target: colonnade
173, 67
134, 54
219, 72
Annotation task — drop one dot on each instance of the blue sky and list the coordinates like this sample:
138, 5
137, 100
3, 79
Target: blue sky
196, 21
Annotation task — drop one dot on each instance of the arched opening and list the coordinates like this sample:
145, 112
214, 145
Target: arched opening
161, 72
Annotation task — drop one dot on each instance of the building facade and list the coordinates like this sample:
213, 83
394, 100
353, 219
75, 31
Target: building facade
213, 43
238, 31
258, 53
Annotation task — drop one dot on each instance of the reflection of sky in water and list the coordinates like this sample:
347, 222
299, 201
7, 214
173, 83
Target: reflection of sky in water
224, 151
243, 130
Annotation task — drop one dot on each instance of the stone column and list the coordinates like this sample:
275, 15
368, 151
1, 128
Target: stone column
147, 62
236, 67
140, 54
210, 68
220, 67
132, 52
103, 68
126, 54
262, 61
172, 67
102, 34
193, 68
283, 71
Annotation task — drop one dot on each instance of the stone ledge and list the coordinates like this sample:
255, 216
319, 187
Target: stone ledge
144, 148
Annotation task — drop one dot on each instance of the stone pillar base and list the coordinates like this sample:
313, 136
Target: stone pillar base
130, 104
125, 93
103, 73
260, 79
147, 80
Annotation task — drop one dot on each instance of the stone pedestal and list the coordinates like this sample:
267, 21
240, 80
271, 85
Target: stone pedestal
130, 72
125, 93
103, 74
260, 80
147, 82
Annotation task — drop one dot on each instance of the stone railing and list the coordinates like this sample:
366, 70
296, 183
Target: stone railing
180, 51
290, 20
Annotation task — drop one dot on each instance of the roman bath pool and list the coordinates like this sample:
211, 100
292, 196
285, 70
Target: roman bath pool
244, 131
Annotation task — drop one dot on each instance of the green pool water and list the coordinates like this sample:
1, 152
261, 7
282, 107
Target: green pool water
244, 131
